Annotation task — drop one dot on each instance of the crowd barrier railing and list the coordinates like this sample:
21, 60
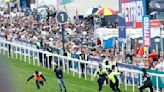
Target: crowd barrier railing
33, 56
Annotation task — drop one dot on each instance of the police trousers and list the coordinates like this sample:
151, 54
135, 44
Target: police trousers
147, 84
114, 86
101, 82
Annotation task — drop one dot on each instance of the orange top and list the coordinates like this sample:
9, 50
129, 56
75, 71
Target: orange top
37, 76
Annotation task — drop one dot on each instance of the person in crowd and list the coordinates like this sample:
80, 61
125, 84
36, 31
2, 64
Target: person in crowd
48, 55
147, 81
84, 57
38, 76
101, 73
59, 75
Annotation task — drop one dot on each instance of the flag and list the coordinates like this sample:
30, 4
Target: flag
136, 46
141, 51
108, 43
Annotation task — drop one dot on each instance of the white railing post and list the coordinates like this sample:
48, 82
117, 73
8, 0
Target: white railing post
58, 61
43, 59
20, 54
16, 52
140, 79
38, 58
63, 65
24, 54
73, 66
157, 83
85, 66
4, 48
29, 58
133, 81
67, 66
33, 57
48, 60
12, 53
91, 71
125, 80
79, 69
53, 65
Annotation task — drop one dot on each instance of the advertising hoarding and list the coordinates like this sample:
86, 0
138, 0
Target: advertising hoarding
133, 10
146, 30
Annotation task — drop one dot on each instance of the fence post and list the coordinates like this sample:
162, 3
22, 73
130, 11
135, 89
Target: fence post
125, 80
133, 81
79, 69
4, 48
24, 55
58, 61
33, 55
47, 61
20, 54
53, 65
91, 72
12, 54
38, 58
73, 68
43, 59
16, 52
68, 66
85, 71
29, 56
157, 83
140, 79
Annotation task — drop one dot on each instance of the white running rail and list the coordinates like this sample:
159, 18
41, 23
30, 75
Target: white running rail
33, 54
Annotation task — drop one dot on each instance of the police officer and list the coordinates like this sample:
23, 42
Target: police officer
113, 81
59, 75
84, 57
48, 56
105, 62
101, 73
147, 81
115, 70
38, 78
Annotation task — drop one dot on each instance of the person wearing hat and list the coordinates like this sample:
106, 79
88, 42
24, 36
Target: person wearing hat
101, 73
147, 81
59, 75
112, 80
38, 76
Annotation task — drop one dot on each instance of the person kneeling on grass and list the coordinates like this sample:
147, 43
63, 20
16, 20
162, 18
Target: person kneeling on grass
38, 78
59, 75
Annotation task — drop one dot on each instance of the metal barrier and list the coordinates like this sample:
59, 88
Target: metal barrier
29, 53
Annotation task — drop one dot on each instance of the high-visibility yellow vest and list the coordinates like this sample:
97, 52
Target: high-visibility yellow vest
38, 44
48, 54
80, 58
111, 76
112, 63
100, 72
68, 54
